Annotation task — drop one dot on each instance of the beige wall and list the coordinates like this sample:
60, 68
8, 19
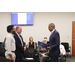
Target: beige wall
63, 22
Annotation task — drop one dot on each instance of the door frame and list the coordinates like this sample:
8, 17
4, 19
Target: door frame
72, 36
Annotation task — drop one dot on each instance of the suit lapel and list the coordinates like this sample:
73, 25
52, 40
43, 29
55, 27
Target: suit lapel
18, 37
52, 35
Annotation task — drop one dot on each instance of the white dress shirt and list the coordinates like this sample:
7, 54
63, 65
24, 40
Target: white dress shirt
10, 45
52, 31
62, 50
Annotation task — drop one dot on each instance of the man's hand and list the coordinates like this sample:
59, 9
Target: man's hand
43, 54
62, 53
11, 58
24, 48
48, 47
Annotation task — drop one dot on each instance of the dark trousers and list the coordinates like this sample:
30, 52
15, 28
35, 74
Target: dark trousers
54, 58
19, 59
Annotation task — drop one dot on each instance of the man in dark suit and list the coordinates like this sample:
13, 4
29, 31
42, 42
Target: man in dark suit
54, 43
20, 45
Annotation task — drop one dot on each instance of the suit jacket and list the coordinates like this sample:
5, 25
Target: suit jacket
19, 48
54, 43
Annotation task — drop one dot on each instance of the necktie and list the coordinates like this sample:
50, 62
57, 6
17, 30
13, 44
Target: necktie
21, 40
50, 35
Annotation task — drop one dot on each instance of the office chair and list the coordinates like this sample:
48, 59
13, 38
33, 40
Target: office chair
29, 55
62, 58
2, 51
0, 43
2, 55
3, 59
67, 48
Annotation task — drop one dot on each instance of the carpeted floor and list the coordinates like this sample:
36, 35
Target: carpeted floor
70, 59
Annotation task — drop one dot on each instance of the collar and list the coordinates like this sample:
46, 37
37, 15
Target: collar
11, 34
17, 33
52, 31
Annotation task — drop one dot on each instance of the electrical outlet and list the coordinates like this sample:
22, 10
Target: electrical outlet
67, 36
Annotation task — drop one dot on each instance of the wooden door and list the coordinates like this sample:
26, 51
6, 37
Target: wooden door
73, 38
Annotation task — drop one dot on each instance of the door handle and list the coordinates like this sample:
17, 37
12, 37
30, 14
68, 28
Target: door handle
73, 40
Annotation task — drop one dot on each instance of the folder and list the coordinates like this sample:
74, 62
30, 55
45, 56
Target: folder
42, 44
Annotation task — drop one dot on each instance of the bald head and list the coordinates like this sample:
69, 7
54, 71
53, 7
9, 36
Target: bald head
19, 29
51, 26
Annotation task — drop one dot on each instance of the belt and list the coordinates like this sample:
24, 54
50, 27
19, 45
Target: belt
13, 51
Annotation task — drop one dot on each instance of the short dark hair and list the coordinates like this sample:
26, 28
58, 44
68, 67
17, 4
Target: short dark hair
9, 28
52, 25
